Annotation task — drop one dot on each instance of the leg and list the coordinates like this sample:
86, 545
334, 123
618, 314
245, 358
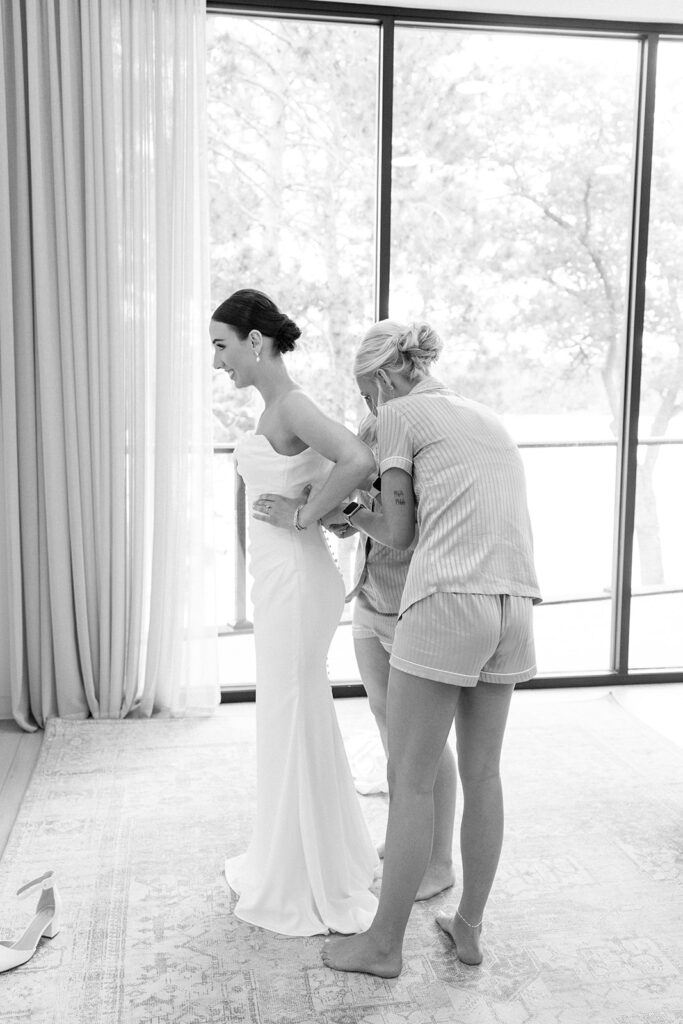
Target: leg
420, 714
373, 665
480, 721
439, 874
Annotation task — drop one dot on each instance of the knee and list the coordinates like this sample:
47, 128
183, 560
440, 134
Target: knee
377, 700
379, 711
380, 721
478, 773
404, 779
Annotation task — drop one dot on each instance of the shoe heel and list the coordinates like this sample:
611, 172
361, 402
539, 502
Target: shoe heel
52, 929
56, 923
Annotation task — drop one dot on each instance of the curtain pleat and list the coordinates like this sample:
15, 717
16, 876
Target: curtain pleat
105, 446
20, 546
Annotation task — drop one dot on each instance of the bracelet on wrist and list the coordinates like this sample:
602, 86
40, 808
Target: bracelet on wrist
297, 524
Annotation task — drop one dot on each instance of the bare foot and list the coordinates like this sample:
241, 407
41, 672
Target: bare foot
466, 939
360, 954
437, 877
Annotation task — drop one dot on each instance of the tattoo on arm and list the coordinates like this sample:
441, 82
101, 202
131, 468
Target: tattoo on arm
399, 497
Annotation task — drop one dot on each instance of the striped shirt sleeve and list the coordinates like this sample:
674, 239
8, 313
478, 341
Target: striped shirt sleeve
394, 443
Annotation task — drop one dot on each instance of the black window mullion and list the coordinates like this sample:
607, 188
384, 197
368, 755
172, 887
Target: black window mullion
627, 464
385, 105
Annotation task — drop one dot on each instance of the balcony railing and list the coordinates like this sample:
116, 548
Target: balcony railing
241, 623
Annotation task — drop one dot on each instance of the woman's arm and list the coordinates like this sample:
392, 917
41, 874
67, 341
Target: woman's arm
337, 523
353, 462
395, 524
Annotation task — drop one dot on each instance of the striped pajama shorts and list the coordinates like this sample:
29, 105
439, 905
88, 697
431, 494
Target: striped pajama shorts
464, 638
368, 623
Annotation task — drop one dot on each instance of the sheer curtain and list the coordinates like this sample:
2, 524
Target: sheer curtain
105, 444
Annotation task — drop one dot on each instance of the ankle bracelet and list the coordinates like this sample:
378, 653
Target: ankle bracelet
458, 914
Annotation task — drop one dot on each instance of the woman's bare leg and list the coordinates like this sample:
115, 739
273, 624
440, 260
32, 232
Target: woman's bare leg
373, 665
440, 874
419, 717
480, 720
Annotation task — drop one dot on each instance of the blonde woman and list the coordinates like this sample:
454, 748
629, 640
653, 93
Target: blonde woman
464, 636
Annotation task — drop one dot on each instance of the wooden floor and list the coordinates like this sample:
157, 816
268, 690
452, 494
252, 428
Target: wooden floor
19, 752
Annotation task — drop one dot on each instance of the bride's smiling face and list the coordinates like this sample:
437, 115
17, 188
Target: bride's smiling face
235, 355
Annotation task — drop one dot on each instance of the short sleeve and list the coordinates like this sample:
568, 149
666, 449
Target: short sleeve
367, 430
394, 443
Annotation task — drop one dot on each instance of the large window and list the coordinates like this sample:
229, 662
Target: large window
510, 231
292, 167
512, 164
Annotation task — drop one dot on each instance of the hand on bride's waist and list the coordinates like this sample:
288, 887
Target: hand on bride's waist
278, 510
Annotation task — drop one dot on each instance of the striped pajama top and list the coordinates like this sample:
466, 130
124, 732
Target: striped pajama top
468, 478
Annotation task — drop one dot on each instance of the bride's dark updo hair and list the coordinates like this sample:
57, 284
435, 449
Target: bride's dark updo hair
248, 310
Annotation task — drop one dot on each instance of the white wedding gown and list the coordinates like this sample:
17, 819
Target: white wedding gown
310, 862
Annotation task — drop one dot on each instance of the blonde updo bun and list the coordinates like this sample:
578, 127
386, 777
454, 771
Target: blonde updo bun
421, 345
406, 348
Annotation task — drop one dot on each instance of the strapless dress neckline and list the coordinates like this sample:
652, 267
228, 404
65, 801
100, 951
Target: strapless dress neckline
276, 452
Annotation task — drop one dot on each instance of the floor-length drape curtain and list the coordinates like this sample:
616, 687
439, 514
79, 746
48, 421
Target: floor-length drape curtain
105, 448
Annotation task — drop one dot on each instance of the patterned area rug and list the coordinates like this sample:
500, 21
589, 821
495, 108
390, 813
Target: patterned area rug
585, 922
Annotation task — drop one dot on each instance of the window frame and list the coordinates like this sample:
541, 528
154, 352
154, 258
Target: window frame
648, 35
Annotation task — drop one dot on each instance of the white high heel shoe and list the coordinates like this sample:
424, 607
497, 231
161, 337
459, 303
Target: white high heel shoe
45, 923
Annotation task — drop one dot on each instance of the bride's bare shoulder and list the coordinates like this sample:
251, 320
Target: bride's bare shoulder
297, 403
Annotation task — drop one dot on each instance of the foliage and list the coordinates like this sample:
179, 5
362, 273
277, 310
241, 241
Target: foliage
511, 207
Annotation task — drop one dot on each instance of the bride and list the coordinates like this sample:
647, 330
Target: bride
310, 863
